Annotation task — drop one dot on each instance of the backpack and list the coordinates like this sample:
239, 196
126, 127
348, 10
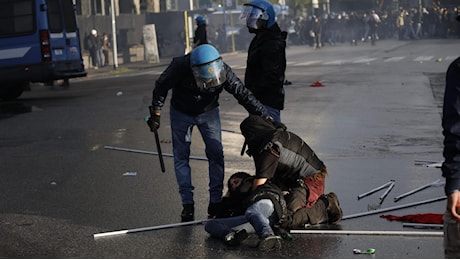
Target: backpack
258, 131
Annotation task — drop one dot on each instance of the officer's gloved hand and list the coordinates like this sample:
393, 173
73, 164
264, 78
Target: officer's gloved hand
154, 120
276, 124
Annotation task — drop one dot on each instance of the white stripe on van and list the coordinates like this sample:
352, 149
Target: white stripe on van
56, 35
71, 35
13, 53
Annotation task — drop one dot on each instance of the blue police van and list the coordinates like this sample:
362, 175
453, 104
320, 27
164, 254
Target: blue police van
39, 42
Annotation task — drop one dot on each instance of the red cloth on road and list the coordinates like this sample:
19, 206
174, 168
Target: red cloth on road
427, 218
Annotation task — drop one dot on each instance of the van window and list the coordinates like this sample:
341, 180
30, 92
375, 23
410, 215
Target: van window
70, 20
16, 17
54, 16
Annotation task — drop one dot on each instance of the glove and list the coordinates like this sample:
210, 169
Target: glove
154, 120
276, 124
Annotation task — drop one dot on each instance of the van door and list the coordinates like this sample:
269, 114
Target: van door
64, 37
71, 30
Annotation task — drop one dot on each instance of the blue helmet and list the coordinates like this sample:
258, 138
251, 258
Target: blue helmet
258, 14
207, 67
200, 20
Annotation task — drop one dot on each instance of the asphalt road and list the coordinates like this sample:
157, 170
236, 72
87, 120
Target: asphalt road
376, 118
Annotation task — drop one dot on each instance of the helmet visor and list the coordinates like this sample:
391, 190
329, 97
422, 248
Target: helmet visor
209, 75
254, 17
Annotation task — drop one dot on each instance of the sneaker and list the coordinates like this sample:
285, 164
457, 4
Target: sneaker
269, 243
213, 210
334, 212
234, 238
188, 213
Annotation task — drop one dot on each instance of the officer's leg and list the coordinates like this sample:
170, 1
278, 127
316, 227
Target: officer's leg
210, 129
181, 129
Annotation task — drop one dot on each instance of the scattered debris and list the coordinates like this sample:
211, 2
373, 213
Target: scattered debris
317, 84
426, 218
433, 164
287, 82
130, 174
369, 251
393, 208
375, 190
421, 225
435, 183
382, 198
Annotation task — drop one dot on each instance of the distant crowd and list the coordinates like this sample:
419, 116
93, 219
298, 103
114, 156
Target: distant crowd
355, 26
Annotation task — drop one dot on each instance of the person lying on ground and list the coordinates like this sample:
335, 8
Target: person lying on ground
268, 218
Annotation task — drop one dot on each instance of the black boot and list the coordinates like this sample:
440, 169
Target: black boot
188, 213
234, 238
334, 211
214, 210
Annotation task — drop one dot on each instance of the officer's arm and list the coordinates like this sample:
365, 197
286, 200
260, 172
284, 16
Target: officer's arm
236, 87
164, 83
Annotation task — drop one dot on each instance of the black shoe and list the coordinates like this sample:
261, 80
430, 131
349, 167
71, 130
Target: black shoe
213, 210
234, 238
188, 213
334, 212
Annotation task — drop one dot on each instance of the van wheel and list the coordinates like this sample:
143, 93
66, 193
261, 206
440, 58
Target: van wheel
13, 91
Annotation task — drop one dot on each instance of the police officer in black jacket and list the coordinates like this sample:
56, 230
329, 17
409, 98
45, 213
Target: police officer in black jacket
266, 62
196, 80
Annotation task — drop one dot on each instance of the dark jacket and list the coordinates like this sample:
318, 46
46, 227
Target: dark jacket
272, 192
279, 155
266, 65
188, 99
451, 128
239, 200
200, 35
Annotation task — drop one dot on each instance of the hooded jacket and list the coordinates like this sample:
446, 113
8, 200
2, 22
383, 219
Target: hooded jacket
278, 154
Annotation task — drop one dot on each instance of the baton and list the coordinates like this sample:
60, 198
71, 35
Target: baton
160, 155
157, 141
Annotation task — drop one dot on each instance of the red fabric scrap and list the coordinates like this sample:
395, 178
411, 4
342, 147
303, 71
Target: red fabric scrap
316, 84
427, 218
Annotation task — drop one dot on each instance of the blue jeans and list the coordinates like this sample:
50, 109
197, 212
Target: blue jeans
258, 218
208, 124
220, 227
274, 113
